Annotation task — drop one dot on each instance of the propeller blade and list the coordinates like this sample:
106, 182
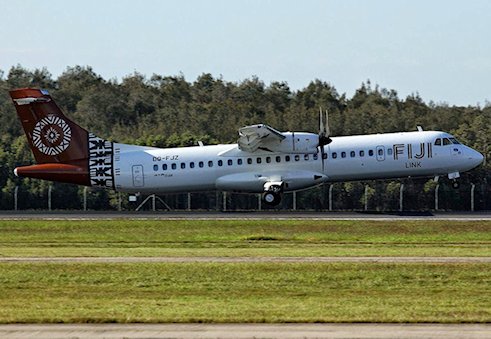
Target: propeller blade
322, 130
322, 157
328, 131
324, 135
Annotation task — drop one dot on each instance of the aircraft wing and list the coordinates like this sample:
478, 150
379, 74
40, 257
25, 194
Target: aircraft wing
258, 136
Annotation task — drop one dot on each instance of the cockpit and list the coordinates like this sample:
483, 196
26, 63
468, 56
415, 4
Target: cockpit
446, 141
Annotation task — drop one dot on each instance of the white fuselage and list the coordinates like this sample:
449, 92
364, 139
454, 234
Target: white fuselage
227, 168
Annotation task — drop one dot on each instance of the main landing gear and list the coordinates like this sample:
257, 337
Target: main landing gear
271, 198
272, 194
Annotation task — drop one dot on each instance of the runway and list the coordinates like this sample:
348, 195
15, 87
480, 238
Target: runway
240, 331
264, 215
120, 260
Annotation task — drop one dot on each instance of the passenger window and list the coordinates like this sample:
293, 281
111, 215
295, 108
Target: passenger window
334, 155
343, 154
155, 167
362, 153
324, 156
191, 164
306, 157
316, 156
183, 165
389, 151
370, 153
380, 151
164, 167
258, 160
174, 166
229, 162
239, 161
220, 163
278, 158
201, 164
249, 161
297, 157
446, 142
287, 158
268, 159
210, 163
438, 142
352, 154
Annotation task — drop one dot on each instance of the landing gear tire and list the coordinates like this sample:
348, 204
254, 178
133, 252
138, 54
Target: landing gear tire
455, 184
271, 198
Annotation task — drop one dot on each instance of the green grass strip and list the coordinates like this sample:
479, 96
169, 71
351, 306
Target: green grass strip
265, 292
244, 238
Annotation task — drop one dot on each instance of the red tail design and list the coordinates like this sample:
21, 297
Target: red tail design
63, 150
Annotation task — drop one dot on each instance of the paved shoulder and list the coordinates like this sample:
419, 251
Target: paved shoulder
249, 215
334, 331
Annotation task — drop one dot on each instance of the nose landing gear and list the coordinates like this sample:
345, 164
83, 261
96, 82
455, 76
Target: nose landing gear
455, 184
454, 176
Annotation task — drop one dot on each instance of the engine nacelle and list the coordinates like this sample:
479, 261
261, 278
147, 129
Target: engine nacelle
264, 137
296, 142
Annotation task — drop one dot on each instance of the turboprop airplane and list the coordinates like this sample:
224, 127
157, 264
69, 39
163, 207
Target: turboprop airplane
263, 160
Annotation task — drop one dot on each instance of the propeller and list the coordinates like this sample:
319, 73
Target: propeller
324, 133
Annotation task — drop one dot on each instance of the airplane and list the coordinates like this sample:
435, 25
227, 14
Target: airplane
263, 160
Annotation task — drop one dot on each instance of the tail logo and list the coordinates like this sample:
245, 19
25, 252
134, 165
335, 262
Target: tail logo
51, 135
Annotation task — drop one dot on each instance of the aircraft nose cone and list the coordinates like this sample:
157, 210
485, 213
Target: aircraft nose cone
476, 157
480, 158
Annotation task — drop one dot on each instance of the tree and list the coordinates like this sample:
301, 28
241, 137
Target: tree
168, 111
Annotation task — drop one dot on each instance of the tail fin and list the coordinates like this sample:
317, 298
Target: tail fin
63, 150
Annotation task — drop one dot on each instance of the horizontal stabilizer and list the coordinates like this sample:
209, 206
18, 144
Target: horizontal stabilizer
55, 172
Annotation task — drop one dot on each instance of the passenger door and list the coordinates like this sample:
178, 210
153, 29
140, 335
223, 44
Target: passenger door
138, 179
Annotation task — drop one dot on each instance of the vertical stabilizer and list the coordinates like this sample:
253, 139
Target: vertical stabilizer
53, 137
63, 150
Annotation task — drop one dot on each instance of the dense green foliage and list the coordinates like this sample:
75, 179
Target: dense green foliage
167, 111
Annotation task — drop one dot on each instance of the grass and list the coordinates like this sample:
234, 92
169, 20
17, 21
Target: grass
265, 292
244, 292
244, 238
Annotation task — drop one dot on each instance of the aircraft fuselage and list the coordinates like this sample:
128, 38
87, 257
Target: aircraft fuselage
226, 167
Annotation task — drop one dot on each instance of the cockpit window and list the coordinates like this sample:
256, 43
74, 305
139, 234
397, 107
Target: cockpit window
446, 142
438, 142
454, 141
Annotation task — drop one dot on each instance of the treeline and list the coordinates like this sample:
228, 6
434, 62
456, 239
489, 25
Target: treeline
167, 111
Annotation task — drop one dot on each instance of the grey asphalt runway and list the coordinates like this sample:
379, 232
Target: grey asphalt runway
395, 260
240, 331
277, 215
